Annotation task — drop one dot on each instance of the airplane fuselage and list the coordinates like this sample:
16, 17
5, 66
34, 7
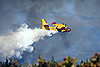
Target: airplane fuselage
56, 27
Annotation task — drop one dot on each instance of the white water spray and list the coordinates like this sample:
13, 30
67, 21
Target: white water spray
21, 40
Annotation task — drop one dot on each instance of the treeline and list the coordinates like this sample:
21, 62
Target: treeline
94, 61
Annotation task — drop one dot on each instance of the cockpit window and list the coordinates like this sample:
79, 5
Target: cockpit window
67, 28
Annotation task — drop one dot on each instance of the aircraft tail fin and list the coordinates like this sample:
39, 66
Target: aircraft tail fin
45, 25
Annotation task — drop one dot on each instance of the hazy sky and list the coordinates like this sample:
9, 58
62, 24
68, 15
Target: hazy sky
82, 16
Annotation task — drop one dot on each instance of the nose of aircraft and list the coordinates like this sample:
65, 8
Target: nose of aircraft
68, 30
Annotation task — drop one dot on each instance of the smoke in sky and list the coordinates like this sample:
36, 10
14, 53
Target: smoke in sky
21, 40
82, 16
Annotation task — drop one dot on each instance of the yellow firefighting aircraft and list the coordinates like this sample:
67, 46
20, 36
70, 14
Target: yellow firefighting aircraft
56, 27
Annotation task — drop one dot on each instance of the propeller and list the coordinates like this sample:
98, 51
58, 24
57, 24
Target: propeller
65, 25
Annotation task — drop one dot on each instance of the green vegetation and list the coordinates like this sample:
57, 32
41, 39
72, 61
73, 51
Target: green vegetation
67, 62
